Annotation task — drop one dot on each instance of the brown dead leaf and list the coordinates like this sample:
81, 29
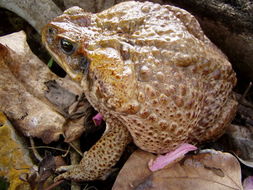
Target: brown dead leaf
59, 96
22, 92
40, 178
209, 170
14, 159
80, 114
76, 109
47, 166
239, 139
30, 70
29, 114
75, 130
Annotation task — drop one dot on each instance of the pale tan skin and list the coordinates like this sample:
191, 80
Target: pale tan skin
152, 74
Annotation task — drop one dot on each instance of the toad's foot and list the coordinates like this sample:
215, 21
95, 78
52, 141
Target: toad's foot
97, 162
163, 160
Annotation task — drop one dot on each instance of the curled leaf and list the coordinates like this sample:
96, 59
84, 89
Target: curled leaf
239, 139
29, 70
29, 114
207, 170
22, 91
29, 11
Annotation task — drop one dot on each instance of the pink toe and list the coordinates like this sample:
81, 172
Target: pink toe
97, 119
248, 183
163, 160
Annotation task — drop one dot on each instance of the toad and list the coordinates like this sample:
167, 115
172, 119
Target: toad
150, 71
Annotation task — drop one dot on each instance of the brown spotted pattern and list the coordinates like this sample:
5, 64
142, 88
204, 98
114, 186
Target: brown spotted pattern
98, 161
150, 71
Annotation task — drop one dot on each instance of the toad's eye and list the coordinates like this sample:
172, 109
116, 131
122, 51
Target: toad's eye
67, 46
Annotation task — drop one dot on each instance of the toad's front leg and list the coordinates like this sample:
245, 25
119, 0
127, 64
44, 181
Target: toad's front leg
98, 161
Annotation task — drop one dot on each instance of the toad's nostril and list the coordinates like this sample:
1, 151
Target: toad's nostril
84, 64
52, 31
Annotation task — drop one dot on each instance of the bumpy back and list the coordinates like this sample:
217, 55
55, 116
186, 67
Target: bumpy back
183, 81
151, 67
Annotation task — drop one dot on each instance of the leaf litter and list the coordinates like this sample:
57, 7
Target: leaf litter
26, 81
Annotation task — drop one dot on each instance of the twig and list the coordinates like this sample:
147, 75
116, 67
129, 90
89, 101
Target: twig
34, 150
247, 90
75, 159
89, 188
76, 149
245, 93
67, 152
48, 147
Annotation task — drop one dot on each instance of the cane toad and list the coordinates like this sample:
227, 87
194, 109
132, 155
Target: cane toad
150, 71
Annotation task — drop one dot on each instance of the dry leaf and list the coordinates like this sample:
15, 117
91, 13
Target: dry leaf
209, 170
41, 177
76, 109
30, 70
14, 159
29, 114
75, 130
37, 13
59, 96
47, 167
239, 139
22, 91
